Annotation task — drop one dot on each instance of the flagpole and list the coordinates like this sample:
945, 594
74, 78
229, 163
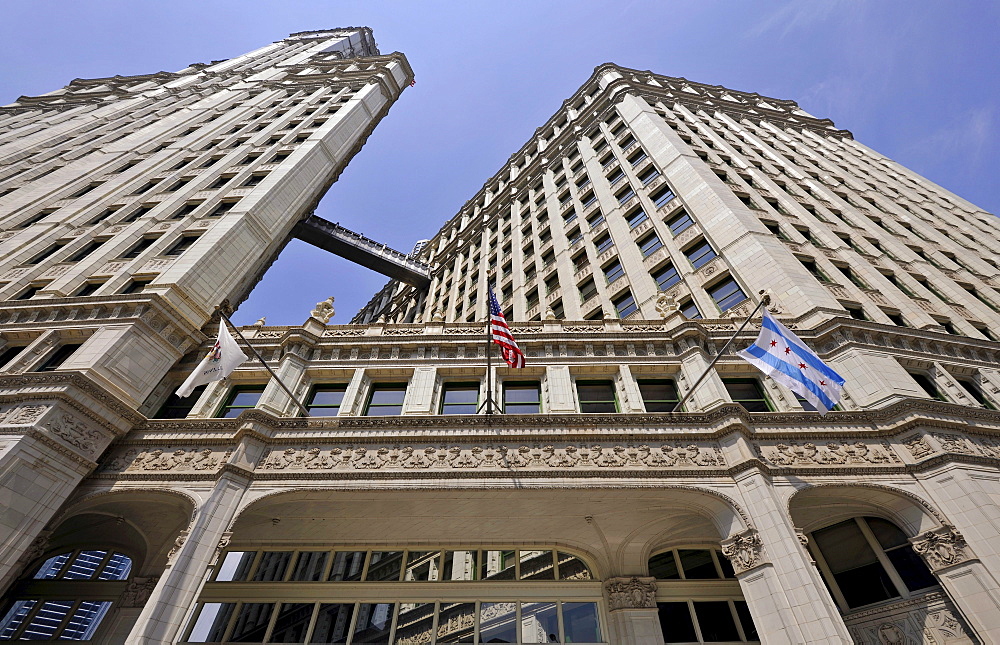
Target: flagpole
489, 365
305, 411
765, 299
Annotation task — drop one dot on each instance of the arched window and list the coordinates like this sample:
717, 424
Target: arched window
42, 607
699, 599
400, 596
867, 560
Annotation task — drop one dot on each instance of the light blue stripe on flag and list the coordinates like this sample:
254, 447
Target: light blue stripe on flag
807, 356
792, 372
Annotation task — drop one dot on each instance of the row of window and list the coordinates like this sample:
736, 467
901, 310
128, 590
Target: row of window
395, 566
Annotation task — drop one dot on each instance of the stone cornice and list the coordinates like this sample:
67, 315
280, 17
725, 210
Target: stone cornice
35, 386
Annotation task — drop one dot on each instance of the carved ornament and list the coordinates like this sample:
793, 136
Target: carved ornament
744, 550
631, 593
832, 453
941, 547
137, 592
76, 433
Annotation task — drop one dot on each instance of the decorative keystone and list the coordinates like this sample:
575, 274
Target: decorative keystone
631, 593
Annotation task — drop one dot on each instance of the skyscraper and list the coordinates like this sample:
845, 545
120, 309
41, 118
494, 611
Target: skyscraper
626, 240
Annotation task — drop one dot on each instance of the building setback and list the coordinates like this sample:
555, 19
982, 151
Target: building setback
627, 241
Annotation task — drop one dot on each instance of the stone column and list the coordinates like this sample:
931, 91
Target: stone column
786, 596
50, 448
634, 619
971, 586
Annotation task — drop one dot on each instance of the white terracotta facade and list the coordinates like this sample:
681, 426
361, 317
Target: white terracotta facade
588, 513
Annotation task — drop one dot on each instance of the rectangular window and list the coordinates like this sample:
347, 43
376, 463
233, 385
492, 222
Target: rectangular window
650, 244
177, 408
679, 222
666, 277
625, 305
58, 357
241, 397
625, 194
522, 397
186, 210
649, 175
927, 385
700, 254
635, 217
136, 286
88, 288
727, 294
137, 250
658, 395
613, 271
662, 197
460, 398
325, 400
46, 253
181, 245
812, 268
690, 310
137, 213
853, 277
603, 243
580, 261
636, 157
748, 393
29, 293
222, 208
588, 289
595, 219
588, 199
385, 399
569, 216
616, 176
597, 396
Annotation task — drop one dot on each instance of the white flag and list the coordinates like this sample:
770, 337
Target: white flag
781, 355
221, 360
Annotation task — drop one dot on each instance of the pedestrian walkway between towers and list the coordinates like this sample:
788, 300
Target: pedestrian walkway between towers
361, 250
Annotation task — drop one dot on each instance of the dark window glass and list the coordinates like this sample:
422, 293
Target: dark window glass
663, 566
177, 408
716, 621
927, 385
700, 254
636, 217
136, 286
137, 250
603, 243
243, 397
613, 271
974, 390
46, 253
58, 357
859, 575
625, 305
333, 623
29, 293
749, 629
10, 353
522, 397
680, 222
460, 398
748, 393
587, 289
650, 244
596, 396
727, 294
386, 399
181, 245
662, 197
272, 566
222, 208
697, 564
347, 566
659, 395
251, 622
292, 622
309, 566
666, 277
690, 310
87, 250
373, 623
676, 623
325, 400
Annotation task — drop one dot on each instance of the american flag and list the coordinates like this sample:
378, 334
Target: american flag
500, 333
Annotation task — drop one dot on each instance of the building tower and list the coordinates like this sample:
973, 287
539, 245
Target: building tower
627, 240
130, 208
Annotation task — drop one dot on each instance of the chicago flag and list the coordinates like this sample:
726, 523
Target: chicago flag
781, 355
221, 360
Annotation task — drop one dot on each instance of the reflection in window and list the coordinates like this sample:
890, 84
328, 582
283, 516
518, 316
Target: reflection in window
706, 622
348, 565
460, 398
385, 565
386, 399
243, 397
498, 622
415, 623
658, 395
291, 623
332, 623
524, 397
861, 552
456, 622
373, 623
539, 622
596, 396
325, 400
536, 565
690, 564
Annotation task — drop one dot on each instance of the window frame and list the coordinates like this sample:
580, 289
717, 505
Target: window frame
325, 387
458, 386
384, 386
234, 392
585, 382
747, 381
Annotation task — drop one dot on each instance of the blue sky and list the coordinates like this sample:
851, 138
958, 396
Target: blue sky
918, 81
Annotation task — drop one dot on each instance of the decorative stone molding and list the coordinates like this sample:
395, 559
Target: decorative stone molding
744, 550
832, 453
927, 618
179, 542
631, 593
941, 547
165, 459
77, 433
137, 592
22, 414
917, 446
679, 455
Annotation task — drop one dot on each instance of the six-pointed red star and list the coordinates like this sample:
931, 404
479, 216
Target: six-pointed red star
802, 366
788, 350
773, 343
822, 382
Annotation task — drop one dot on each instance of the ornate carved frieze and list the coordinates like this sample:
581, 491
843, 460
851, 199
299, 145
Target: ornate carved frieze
744, 550
917, 446
22, 414
929, 618
631, 593
137, 592
941, 547
793, 453
77, 433
537, 457
165, 459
